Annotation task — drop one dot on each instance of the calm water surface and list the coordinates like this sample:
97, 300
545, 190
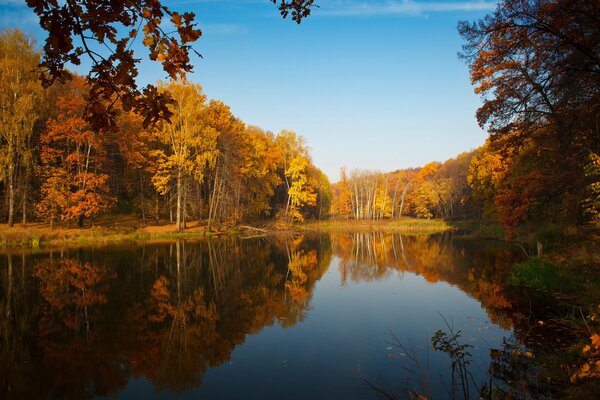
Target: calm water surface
267, 318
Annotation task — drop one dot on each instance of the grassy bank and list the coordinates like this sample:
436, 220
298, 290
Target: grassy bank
569, 261
562, 288
405, 225
109, 230
126, 228
539, 274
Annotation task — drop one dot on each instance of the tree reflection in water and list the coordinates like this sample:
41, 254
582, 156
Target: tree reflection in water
81, 323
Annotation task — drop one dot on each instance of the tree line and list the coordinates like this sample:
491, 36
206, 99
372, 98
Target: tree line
436, 190
202, 163
536, 65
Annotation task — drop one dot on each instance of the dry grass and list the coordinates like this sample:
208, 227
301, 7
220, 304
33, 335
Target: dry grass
105, 230
112, 229
405, 225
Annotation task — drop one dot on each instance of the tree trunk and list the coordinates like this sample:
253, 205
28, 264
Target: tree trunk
198, 201
402, 201
212, 203
385, 195
142, 205
80, 221
184, 211
395, 197
156, 210
178, 225
11, 198
25, 187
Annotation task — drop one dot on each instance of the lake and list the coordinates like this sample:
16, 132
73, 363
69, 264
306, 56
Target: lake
320, 316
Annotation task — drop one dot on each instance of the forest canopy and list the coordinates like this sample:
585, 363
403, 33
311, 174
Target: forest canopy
88, 145
203, 164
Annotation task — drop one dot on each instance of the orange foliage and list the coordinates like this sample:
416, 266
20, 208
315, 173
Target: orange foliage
591, 367
72, 160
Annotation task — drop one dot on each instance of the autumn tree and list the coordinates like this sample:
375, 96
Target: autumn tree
20, 109
262, 159
486, 171
226, 177
73, 154
320, 181
458, 196
189, 144
136, 146
295, 170
423, 197
342, 196
536, 66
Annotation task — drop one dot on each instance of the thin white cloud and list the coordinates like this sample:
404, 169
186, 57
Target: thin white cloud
222, 29
405, 7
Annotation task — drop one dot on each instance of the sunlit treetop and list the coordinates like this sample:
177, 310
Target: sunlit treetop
104, 31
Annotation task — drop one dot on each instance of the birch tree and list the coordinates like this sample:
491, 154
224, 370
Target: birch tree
20, 95
189, 145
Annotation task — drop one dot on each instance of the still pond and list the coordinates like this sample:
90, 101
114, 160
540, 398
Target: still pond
321, 316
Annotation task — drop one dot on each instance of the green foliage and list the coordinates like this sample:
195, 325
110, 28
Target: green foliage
542, 275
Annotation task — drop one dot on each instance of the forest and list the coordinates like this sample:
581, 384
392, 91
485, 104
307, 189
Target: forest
535, 65
203, 164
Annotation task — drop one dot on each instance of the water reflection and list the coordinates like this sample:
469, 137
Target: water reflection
83, 323
478, 268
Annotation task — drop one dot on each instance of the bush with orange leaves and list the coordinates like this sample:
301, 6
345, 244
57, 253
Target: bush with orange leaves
591, 353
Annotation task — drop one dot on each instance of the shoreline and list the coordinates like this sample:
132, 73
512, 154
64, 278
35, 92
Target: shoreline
37, 235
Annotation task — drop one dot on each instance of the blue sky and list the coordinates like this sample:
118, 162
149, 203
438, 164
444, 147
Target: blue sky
370, 84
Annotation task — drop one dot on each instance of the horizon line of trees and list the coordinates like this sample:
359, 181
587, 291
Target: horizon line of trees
436, 190
202, 164
536, 66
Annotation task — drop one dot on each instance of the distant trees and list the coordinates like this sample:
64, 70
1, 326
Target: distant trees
435, 190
